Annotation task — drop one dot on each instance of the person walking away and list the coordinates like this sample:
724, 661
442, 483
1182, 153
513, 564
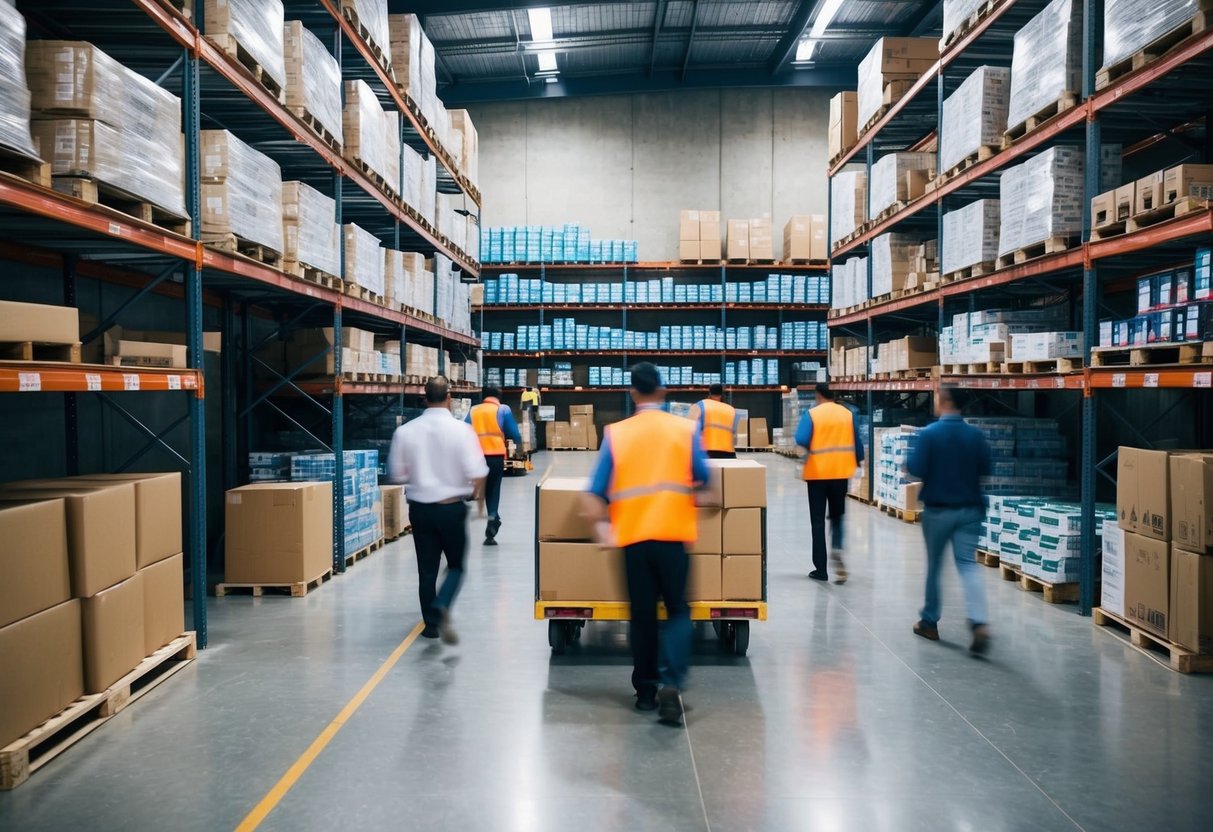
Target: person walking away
717, 423
950, 457
530, 399
830, 433
440, 460
494, 424
641, 497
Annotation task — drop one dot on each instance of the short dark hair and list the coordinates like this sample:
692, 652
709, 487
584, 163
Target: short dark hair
958, 396
437, 390
646, 379
716, 390
492, 393
823, 391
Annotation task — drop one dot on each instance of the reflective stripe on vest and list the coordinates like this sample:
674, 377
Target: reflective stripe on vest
832, 449
488, 429
718, 419
651, 492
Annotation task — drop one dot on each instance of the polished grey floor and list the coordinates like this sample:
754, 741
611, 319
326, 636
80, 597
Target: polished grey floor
839, 719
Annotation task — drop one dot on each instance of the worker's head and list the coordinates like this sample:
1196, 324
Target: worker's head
823, 392
646, 384
438, 392
716, 391
491, 392
951, 400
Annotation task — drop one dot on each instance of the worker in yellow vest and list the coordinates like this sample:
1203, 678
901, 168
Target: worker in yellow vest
642, 498
717, 423
830, 433
494, 424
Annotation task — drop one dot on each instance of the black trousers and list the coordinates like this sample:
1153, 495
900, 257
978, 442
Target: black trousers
722, 455
492, 484
823, 494
657, 569
438, 529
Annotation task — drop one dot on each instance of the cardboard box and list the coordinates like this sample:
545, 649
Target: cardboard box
560, 510
707, 532
395, 510
1148, 192
163, 602
688, 226
709, 229
1124, 196
1147, 583
1103, 209
703, 580
278, 533
1192, 501
1191, 621
1187, 180
100, 529
745, 483
1112, 583
39, 322
33, 560
157, 513
760, 435
581, 410
710, 250
1142, 492
844, 118
741, 578
147, 354
738, 243
581, 572
688, 249
741, 531
43, 668
112, 624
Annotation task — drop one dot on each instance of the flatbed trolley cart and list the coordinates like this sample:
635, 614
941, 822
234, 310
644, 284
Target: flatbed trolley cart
566, 619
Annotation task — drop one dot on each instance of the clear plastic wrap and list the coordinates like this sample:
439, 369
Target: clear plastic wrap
427, 207
1130, 25
891, 256
444, 288
14, 94
849, 283
1041, 198
970, 235
365, 128
407, 37
363, 259
461, 121
69, 78
847, 198
411, 162
393, 277
472, 248
956, 13
1046, 61
391, 126
889, 184
241, 191
254, 24
310, 230
890, 59
974, 115
424, 290
313, 78
372, 15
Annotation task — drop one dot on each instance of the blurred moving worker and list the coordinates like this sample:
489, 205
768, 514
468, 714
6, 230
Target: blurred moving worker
642, 498
494, 424
530, 399
950, 457
830, 433
717, 423
440, 460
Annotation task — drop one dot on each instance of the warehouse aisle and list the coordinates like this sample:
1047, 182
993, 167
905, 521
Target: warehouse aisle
840, 718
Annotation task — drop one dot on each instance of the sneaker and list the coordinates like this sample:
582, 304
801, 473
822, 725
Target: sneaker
819, 575
446, 631
430, 632
981, 640
840, 568
494, 526
670, 706
928, 631
646, 700
488, 541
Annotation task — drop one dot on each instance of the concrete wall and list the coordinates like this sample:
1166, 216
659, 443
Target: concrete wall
626, 165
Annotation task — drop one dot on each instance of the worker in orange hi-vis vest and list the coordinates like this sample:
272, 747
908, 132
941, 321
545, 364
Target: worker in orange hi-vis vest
830, 433
494, 424
717, 423
641, 497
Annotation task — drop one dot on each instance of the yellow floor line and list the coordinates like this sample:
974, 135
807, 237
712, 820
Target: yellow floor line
288, 780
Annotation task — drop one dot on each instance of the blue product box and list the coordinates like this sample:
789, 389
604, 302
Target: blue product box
681, 295
1202, 275
652, 341
730, 293
667, 290
772, 371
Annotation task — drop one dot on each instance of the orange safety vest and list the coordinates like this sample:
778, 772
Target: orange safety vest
488, 429
832, 448
651, 492
718, 419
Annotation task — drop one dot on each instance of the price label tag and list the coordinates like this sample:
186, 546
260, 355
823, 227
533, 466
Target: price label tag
1118, 379
1204, 380
29, 382
174, 382
130, 381
115, 229
92, 381
1059, 383
1150, 380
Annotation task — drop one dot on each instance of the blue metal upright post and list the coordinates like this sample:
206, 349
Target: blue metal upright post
71, 413
338, 446
871, 334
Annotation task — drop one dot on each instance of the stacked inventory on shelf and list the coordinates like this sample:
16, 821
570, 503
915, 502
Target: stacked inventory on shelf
510, 288
570, 243
1042, 538
566, 334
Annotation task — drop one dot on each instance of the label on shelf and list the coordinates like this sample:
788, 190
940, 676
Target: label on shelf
1150, 380
1118, 379
92, 381
29, 382
1204, 380
115, 229
130, 381
174, 382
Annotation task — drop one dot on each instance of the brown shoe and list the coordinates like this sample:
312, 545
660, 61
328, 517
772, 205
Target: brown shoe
981, 640
928, 631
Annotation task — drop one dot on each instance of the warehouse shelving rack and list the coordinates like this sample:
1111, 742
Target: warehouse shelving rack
1139, 110
46, 228
624, 272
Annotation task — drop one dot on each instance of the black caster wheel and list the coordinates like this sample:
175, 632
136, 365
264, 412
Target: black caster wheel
718, 628
577, 627
741, 637
558, 637
728, 632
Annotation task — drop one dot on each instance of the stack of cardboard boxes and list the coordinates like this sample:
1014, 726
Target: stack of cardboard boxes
750, 240
1149, 193
578, 433
395, 510
804, 239
699, 236
844, 117
90, 585
241, 192
313, 78
888, 71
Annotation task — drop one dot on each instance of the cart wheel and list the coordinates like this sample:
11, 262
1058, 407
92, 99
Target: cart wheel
577, 627
718, 630
558, 637
728, 632
741, 637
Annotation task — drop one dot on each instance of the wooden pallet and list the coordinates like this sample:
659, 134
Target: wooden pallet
39, 351
364, 552
950, 40
1009, 571
377, 179
1052, 245
363, 293
1155, 49
23, 167
96, 192
802, 261
1180, 659
349, 10
239, 245
22, 757
984, 368
988, 558
1197, 352
1162, 213
1066, 101
863, 500
888, 212
894, 91
1052, 365
1052, 593
1109, 229
975, 270
908, 375
902, 514
313, 275
322, 132
233, 49
976, 157
297, 589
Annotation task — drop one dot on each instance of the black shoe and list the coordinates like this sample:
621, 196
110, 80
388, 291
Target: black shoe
494, 526
928, 631
646, 700
819, 575
981, 640
430, 631
488, 541
670, 702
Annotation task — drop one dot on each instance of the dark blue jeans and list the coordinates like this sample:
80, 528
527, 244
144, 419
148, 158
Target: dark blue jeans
492, 485
438, 529
658, 568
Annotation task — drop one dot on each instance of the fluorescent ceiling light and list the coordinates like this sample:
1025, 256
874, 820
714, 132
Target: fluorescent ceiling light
824, 18
805, 50
547, 61
551, 79
541, 24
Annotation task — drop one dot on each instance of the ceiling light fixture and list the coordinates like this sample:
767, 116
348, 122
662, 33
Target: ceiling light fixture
541, 25
547, 61
807, 47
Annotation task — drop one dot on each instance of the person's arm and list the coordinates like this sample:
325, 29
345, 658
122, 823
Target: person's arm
467, 420
472, 460
508, 425
919, 459
595, 500
700, 419
699, 462
804, 431
397, 465
858, 438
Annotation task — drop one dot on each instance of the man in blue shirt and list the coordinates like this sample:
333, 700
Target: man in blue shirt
950, 457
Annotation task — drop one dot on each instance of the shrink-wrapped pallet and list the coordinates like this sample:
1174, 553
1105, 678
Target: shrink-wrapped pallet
461, 121
372, 16
1131, 25
955, 14
891, 59
1046, 61
849, 283
363, 259
313, 78
975, 115
429, 189
310, 230
365, 127
1041, 198
394, 277
14, 93
241, 191
424, 291
411, 164
890, 184
391, 126
970, 235
256, 25
847, 203
408, 41
891, 256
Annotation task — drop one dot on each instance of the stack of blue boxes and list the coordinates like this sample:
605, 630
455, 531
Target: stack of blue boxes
565, 334
782, 289
570, 243
1174, 306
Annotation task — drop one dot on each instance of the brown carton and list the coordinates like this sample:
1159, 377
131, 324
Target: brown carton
581, 572
1191, 620
560, 510
581, 410
742, 531
43, 668
38, 322
278, 533
710, 250
741, 578
1187, 180
579, 430
113, 633
1192, 501
707, 532
760, 435
1142, 493
745, 483
33, 560
688, 249
688, 226
395, 510
703, 580
1147, 583
709, 229
1149, 192
844, 117
1103, 209
163, 603
738, 244
157, 513
1124, 196
147, 354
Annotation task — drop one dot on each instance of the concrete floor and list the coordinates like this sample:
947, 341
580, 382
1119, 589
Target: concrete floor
839, 719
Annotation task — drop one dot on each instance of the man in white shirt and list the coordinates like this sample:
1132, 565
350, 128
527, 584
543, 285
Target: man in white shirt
439, 458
